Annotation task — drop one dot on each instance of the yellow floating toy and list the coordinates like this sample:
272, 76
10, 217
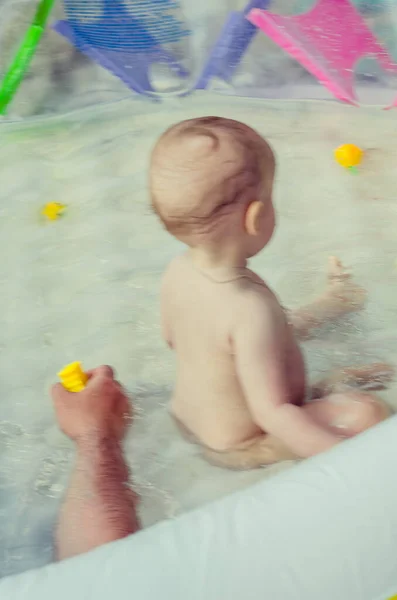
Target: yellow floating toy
53, 210
349, 156
73, 377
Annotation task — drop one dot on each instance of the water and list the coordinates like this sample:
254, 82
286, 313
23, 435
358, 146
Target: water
86, 287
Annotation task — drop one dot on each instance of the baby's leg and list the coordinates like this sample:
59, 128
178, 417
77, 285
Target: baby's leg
345, 414
341, 296
348, 413
260, 452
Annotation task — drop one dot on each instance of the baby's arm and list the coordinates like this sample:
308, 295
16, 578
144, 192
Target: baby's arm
260, 359
341, 296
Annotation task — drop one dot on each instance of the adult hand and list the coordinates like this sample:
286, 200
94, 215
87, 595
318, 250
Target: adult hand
101, 409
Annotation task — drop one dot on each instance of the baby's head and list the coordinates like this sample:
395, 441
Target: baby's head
211, 183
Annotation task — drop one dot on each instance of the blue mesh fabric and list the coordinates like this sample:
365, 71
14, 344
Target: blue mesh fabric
128, 25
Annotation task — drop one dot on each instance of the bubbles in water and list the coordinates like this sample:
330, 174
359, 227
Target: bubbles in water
49, 479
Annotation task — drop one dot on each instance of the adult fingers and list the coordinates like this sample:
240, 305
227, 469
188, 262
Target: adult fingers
102, 371
106, 371
58, 392
120, 386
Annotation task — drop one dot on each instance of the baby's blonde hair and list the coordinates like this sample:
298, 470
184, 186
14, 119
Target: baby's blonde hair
201, 169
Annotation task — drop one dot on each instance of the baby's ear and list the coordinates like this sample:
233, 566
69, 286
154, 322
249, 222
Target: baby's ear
253, 217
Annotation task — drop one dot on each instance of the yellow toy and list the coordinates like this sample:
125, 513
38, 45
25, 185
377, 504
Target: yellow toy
53, 210
349, 156
73, 377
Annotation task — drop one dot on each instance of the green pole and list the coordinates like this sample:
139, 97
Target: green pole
20, 64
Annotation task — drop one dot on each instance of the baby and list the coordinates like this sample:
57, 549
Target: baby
241, 389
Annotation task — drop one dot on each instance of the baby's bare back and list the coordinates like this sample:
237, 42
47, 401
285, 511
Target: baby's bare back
199, 313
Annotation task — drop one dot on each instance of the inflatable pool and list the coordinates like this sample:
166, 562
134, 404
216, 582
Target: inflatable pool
85, 287
324, 529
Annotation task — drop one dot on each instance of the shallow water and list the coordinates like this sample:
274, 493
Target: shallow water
86, 287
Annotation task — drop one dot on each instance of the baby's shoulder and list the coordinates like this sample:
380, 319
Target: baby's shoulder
173, 268
172, 277
252, 288
253, 297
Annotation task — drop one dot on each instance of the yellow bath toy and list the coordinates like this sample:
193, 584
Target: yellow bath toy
349, 156
73, 377
53, 210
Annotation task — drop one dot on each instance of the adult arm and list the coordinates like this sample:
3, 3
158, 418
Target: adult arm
99, 506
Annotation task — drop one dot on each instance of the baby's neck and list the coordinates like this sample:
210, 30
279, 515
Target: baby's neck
205, 259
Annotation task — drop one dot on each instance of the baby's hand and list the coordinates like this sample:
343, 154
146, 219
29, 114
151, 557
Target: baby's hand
336, 271
341, 290
101, 409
